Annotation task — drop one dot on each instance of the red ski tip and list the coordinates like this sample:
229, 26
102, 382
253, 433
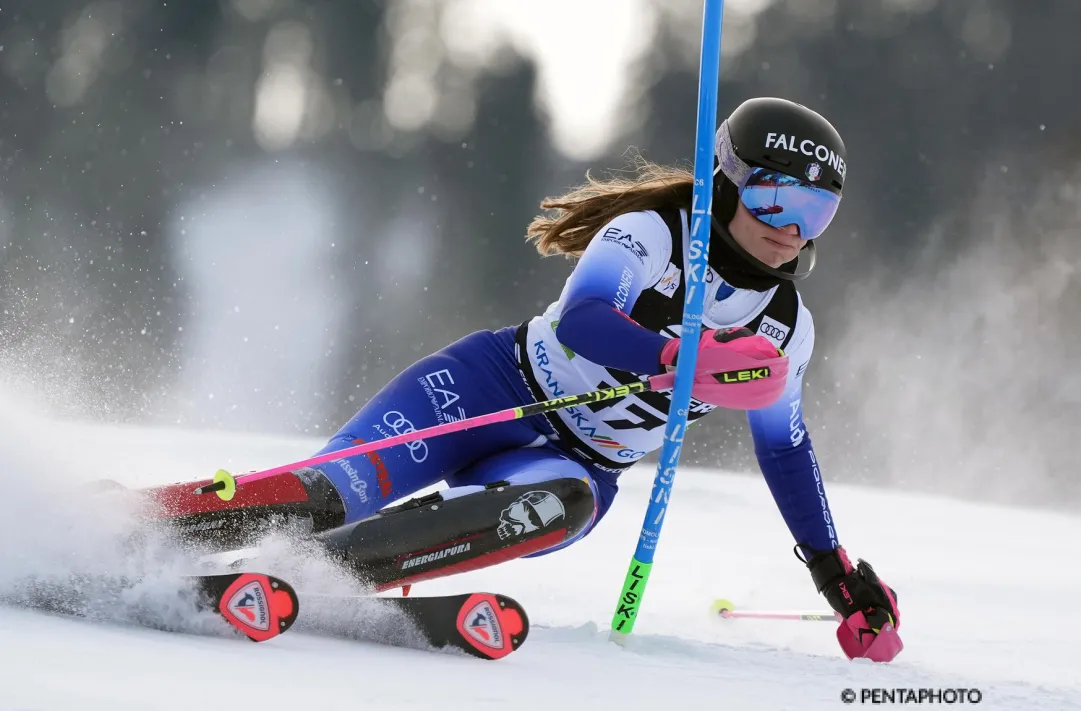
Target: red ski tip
491, 625
258, 605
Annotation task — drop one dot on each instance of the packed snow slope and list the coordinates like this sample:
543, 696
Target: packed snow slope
986, 595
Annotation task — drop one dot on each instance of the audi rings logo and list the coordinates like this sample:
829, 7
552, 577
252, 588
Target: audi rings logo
772, 332
398, 422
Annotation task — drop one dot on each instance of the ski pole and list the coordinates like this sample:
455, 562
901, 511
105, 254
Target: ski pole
725, 609
224, 483
768, 615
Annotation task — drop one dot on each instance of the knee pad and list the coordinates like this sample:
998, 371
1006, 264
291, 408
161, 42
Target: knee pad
581, 533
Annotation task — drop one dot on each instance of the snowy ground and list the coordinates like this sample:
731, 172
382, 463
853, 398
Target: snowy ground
982, 593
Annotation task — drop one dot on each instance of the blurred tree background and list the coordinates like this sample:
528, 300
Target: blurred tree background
250, 214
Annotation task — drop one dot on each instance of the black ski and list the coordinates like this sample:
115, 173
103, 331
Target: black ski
485, 625
259, 606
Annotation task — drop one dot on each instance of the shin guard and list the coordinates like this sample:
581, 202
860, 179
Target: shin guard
431, 537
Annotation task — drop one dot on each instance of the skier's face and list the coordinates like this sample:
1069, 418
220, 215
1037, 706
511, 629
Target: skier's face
773, 246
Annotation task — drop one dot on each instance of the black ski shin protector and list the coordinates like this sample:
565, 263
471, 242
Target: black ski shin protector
431, 537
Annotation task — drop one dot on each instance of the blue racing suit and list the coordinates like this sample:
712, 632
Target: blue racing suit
618, 308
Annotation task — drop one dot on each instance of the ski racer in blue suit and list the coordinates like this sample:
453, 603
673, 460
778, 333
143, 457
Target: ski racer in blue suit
780, 168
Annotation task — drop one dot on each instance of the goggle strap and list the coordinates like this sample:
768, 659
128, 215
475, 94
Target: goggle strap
731, 164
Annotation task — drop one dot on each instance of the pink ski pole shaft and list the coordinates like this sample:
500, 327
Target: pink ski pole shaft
726, 609
769, 615
225, 482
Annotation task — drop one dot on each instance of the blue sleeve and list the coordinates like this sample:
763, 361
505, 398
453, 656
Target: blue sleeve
791, 470
602, 290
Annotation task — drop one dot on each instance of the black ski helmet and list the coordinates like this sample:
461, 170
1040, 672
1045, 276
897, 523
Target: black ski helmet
781, 135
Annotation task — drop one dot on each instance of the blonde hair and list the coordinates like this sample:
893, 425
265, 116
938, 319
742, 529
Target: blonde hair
580, 213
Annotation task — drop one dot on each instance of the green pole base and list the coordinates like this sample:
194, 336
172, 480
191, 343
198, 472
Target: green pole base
634, 586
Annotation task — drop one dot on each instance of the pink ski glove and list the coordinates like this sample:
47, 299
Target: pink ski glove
734, 369
867, 604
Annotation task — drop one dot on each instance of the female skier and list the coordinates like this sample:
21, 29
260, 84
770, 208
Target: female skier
535, 485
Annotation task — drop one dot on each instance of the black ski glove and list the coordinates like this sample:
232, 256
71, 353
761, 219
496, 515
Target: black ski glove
867, 604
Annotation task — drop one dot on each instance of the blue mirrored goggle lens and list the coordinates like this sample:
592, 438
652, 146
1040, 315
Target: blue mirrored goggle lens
780, 200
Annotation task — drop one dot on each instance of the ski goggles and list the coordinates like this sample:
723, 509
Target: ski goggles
778, 200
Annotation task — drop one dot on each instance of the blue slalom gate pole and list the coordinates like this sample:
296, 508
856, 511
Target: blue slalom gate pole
634, 585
